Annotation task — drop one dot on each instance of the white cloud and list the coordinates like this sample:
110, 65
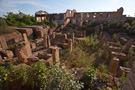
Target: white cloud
13, 3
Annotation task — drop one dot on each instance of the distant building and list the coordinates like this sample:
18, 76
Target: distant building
80, 17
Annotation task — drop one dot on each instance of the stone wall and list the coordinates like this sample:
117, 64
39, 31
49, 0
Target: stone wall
130, 81
28, 31
12, 37
38, 31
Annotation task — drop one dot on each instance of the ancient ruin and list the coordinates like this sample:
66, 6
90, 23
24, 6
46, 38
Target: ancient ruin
81, 17
79, 43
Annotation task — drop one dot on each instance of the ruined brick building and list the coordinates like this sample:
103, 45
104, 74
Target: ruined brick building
80, 17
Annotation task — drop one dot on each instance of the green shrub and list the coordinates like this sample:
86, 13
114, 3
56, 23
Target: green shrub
89, 76
103, 77
126, 64
4, 29
3, 23
19, 19
37, 74
115, 25
122, 80
17, 77
103, 68
93, 24
61, 79
114, 37
3, 77
118, 43
53, 24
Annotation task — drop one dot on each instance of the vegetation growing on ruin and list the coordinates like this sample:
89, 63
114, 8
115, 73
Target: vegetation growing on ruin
83, 53
4, 28
129, 27
19, 19
93, 24
37, 76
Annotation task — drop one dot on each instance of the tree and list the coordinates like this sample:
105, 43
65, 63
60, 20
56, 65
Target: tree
19, 19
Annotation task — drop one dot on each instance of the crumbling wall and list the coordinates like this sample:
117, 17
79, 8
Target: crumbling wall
38, 31
130, 81
12, 37
28, 31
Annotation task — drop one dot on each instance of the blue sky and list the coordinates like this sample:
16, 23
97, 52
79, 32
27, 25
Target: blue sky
60, 6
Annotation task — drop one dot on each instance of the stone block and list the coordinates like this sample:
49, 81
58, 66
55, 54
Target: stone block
129, 83
112, 44
48, 40
45, 41
40, 33
72, 38
70, 44
106, 49
50, 61
28, 31
1, 58
53, 35
60, 37
123, 40
123, 70
44, 55
3, 43
23, 48
113, 66
115, 49
65, 45
25, 37
50, 49
55, 55
33, 45
120, 56
39, 41
32, 60
7, 53
11, 38
20, 55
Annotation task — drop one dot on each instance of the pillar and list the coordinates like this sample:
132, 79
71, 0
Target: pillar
55, 55
70, 44
25, 37
53, 36
72, 37
45, 41
49, 43
114, 65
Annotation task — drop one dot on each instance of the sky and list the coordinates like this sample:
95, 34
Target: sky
60, 6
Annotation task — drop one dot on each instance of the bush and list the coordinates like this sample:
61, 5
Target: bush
3, 23
93, 24
19, 19
4, 29
61, 79
17, 77
53, 24
122, 80
103, 68
89, 76
115, 25
37, 75
3, 77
